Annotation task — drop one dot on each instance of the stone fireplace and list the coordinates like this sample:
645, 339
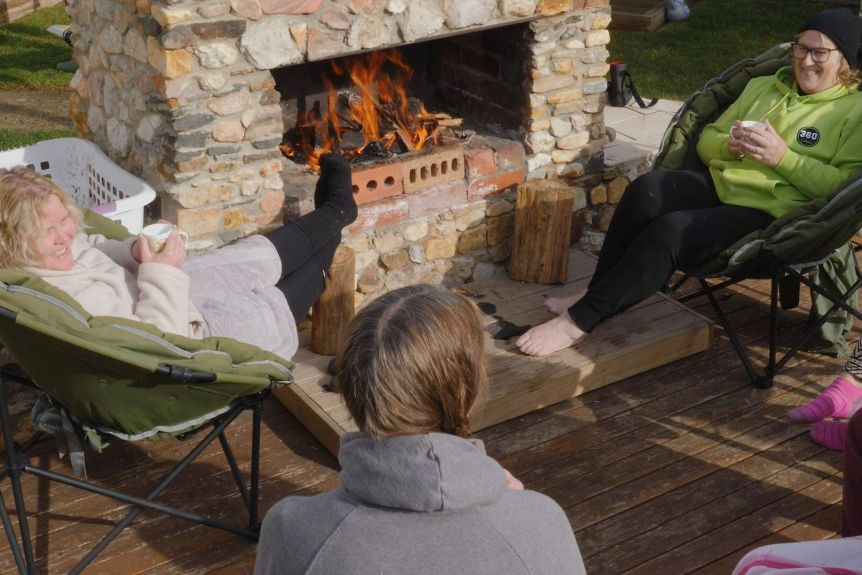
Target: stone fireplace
196, 97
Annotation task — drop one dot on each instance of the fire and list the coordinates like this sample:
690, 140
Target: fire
375, 113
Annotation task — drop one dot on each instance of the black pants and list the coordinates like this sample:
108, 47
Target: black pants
303, 263
665, 220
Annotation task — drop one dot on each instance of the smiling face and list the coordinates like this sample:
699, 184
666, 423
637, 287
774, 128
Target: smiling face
58, 229
814, 76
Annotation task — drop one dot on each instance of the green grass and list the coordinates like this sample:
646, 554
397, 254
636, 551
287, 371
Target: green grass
15, 139
680, 57
29, 54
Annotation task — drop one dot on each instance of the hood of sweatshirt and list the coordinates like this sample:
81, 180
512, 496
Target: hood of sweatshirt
430, 472
786, 85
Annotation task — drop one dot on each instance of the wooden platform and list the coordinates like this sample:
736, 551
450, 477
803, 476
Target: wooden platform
654, 333
12, 10
637, 15
677, 470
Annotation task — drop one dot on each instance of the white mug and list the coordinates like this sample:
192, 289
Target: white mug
157, 234
751, 125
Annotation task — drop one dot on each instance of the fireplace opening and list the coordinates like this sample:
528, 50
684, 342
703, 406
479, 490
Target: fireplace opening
404, 116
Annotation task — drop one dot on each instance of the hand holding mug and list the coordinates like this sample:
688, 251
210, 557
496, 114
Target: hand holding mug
161, 243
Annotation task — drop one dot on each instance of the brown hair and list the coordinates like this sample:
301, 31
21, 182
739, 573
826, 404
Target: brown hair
23, 195
413, 363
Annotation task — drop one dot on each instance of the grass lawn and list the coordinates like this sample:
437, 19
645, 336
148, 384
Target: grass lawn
680, 57
28, 61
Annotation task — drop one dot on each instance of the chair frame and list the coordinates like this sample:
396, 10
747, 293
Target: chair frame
18, 462
797, 274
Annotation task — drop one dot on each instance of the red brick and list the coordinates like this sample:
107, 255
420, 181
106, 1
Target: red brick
436, 199
479, 162
495, 184
382, 213
581, 4
510, 154
596, 3
377, 182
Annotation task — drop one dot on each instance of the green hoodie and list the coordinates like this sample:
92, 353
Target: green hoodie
823, 132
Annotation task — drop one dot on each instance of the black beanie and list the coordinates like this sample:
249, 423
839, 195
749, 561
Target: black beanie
843, 27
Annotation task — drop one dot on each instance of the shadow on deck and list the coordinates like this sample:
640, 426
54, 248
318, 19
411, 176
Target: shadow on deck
679, 469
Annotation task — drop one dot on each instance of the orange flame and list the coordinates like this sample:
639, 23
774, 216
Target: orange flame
378, 108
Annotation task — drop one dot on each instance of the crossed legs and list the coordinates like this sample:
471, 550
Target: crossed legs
666, 220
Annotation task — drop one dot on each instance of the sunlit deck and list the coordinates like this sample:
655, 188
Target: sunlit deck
680, 469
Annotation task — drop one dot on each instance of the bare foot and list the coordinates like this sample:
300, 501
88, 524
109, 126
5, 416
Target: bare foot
558, 305
553, 335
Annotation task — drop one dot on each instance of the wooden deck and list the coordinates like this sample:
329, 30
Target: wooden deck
623, 346
680, 469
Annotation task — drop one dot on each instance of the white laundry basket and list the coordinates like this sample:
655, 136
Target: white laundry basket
89, 176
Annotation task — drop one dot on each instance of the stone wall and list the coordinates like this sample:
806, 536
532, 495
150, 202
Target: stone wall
180, 93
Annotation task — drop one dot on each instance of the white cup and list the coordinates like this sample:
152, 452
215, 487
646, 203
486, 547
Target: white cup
753, 125
157, 234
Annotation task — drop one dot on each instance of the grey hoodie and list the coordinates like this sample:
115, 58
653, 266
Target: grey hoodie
418, 504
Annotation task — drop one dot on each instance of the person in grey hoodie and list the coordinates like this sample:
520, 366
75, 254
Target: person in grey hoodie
417, 495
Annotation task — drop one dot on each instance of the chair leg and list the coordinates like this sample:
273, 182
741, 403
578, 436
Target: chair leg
769, 372
753, 376
253, 520
25, 563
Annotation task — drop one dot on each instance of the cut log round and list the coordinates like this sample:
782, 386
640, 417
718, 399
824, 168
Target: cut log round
332, 312
543, 231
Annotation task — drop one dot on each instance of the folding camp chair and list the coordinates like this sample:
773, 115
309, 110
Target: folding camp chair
805, 246
107, 377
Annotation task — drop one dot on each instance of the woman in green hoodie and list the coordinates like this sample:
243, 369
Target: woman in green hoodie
787, 139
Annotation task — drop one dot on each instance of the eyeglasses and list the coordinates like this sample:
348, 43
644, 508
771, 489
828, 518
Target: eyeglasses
819, 55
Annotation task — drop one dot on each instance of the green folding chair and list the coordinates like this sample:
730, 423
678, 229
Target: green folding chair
108, 378
809, 245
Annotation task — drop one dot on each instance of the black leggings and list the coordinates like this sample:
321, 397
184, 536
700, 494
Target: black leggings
665, 220
303, 263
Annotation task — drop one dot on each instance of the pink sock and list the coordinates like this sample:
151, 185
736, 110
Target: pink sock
834, 401
830, 434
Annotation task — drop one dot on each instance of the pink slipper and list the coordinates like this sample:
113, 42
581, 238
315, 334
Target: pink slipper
834, 401
830, 434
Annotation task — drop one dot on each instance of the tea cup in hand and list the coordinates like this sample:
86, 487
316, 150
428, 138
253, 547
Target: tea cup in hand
157, 234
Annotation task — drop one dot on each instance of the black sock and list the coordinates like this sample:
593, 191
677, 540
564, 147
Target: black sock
334, 189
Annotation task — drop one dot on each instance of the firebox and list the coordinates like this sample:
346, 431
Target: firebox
209, 102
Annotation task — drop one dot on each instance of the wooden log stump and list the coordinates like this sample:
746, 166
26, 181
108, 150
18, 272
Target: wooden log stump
332, 312
543, 231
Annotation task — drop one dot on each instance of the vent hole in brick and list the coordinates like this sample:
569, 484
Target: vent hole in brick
423, 173
433, 170
389, 182
455, 165
371, 185
413, 176
444, 168
355, 189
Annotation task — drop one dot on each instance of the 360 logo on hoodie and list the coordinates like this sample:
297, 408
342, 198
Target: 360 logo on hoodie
807, 137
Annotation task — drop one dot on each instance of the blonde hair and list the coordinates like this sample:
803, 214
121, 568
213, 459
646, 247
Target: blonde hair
413, 363
23, 195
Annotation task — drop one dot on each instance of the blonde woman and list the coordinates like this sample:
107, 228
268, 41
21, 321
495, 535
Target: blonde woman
254, 290
417, 495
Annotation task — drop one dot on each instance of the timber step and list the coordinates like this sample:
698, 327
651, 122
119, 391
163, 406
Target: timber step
12, 10
637, 15
653, 333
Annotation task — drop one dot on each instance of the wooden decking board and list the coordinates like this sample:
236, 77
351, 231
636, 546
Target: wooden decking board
814, 527
701, 462
656, 331
794, 493
756, 502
